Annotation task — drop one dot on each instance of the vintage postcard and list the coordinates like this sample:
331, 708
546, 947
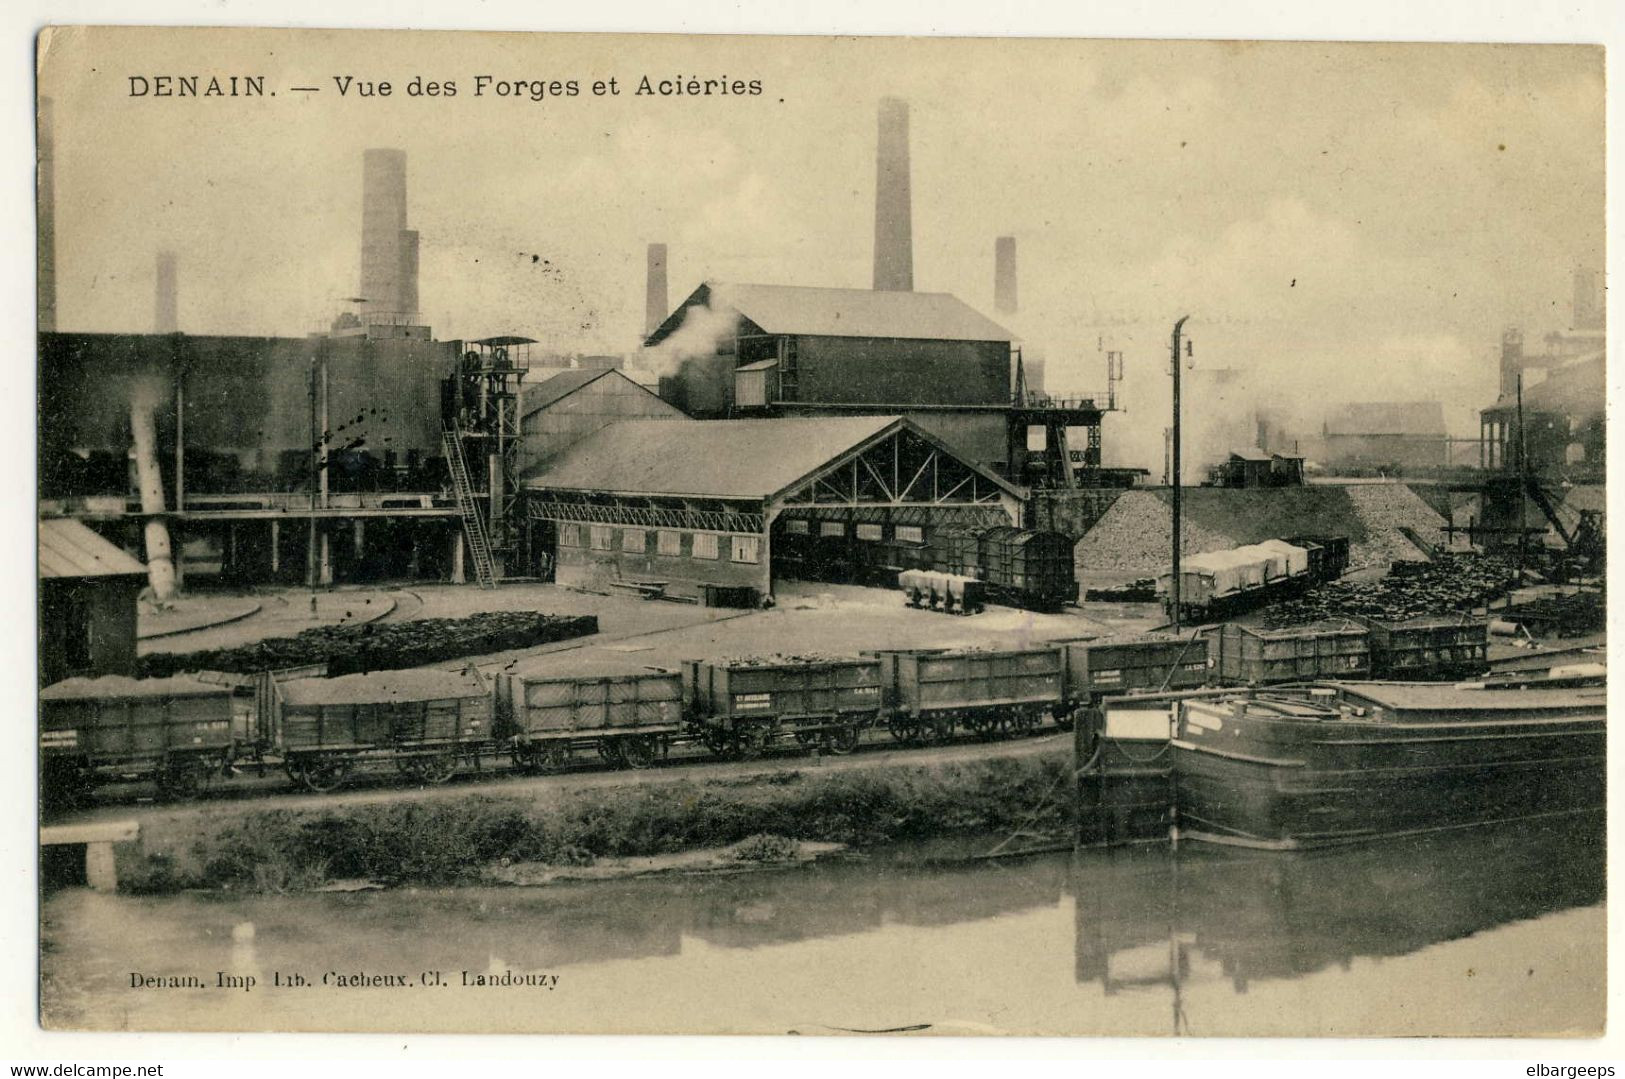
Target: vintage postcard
548, 533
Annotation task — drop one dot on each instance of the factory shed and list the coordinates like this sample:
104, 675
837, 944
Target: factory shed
780, 350
1383, 435
88, 592
562, 410
716, 511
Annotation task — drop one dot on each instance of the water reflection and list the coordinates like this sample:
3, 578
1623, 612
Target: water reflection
1146, 940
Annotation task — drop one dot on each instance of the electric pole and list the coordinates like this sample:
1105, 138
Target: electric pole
1174, 478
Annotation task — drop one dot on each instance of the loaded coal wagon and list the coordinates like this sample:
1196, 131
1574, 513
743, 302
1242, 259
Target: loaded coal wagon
176, 731
740, 705
1331, 649
990, 693
1149, 663
628, 717
1430, 647
422, 722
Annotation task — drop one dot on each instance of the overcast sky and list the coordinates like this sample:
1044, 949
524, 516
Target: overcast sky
1342, 222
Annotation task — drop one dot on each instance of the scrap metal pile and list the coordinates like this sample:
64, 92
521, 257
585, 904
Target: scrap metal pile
1453, 582
374, 647
1572, 615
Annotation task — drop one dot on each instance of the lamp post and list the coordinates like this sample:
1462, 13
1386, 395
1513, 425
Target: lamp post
1174, 478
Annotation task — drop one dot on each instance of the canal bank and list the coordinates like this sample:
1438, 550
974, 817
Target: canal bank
459, 839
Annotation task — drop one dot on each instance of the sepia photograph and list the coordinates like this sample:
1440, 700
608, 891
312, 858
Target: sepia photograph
570, 533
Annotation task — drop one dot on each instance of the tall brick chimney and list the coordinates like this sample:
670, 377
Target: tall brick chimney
165, 305
894, 229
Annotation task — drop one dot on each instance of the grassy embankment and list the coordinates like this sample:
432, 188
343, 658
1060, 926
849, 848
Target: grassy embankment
455, 841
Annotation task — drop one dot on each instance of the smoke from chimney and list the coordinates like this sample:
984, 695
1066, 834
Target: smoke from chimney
1004, 275
165, 312
655, 309
389, 250
894, 229
45, 219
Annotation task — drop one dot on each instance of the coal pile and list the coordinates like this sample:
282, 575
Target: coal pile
1143, 590
1453, 582
373, 647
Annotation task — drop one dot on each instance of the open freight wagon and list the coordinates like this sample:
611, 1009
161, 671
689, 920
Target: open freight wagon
628, 717
423, 722
178, 732
931, 693
740, 705
1333, 649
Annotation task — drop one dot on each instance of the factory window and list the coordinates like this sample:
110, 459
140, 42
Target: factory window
796, 526
634, 540
705, 545
746, 548
569, 535
870, 532
603, 538
832, 528
910, 534
669, 543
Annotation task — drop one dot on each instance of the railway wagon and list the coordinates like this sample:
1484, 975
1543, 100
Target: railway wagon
1328, 556
740, 705
990, 693
1429, 647
630, 718
176, 731
1332, 649
422, 721
1029, 569
950, 593
1149, 663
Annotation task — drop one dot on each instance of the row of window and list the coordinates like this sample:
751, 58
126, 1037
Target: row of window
668, 542
795, 526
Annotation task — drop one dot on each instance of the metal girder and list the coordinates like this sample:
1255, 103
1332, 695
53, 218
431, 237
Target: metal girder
645, 516
902, 469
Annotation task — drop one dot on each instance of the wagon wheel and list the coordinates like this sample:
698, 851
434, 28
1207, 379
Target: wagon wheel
537, 757
323, 774
748, 743
639, 751
1064, 719
611, 751
808, 738
940, 730
903, 730
436, 769
182, 780
1024, 723
841, 740
713, 740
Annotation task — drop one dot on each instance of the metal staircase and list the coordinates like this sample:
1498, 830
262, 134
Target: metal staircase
468, 503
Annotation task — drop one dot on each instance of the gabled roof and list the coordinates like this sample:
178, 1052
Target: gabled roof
551, 391
1388, 418
1250, 453
842, 312
728, 459
69, 549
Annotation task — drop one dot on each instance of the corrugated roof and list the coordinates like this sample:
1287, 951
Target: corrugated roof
383, 687
705, 458
1388, 418
850, 312
69, 549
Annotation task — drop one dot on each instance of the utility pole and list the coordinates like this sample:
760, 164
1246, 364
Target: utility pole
310, 551
1174, 478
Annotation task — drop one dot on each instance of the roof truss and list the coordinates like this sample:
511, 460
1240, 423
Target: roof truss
899, 467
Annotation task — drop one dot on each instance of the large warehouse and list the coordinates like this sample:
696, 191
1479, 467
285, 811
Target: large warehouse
719, 510
779, 350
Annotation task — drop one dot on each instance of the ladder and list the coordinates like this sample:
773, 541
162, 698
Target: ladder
468, 504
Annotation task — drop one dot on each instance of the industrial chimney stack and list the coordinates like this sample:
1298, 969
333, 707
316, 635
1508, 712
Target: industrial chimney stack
165, 307
389, 250
1004, 275
655, 309
894, 230
45, 219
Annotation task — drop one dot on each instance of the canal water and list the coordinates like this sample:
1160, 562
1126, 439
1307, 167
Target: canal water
1481, 932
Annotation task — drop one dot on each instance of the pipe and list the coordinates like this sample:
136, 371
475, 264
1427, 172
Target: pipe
144, 435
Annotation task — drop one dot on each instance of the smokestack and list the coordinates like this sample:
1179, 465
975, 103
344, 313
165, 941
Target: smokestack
655, 309
165, 316
1004, 275
45, 218
1588, 310
389, 251
894, 230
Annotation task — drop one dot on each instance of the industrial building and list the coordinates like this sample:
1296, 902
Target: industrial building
88, 592
720, 510
1404, 434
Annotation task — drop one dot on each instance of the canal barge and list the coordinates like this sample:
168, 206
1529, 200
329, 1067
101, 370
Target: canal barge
1328, 763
